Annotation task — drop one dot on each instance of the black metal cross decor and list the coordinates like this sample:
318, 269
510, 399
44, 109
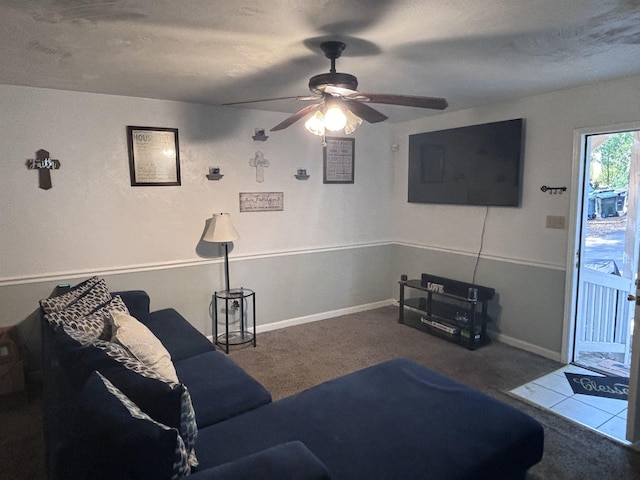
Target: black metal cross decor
43, 163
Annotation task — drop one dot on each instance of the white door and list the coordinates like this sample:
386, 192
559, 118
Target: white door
599, 291
607, 259
633, 412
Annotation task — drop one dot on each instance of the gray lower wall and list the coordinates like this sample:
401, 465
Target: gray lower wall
529, 303
528, 308
287, 286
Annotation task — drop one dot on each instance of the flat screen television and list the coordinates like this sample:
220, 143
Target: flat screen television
474, 165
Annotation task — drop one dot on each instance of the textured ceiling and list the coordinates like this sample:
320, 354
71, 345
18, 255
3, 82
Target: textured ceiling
213, 52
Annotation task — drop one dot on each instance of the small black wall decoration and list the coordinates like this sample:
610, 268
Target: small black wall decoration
43, 163
553, 190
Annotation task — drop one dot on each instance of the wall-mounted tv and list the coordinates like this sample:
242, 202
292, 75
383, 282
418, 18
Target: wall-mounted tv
475, 165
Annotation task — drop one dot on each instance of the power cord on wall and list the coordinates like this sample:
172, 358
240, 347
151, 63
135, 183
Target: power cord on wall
484, 225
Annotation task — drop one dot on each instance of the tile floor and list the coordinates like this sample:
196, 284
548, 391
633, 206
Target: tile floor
552, 391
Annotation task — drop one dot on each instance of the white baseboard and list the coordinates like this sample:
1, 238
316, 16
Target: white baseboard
320, 316
384, 303
528, 347
323, 316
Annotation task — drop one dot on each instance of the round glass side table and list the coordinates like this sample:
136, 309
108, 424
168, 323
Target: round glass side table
243, 301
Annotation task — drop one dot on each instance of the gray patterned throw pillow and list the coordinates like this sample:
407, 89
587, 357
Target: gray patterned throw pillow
55, 304
95, 321
114, 350
98, 322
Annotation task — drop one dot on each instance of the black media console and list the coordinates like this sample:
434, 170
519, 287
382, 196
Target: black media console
451, 309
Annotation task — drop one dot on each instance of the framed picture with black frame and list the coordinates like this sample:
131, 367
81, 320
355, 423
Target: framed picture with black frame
154, 156
338, 160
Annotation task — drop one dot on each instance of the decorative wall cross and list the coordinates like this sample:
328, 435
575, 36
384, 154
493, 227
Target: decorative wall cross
260, 163
43, 163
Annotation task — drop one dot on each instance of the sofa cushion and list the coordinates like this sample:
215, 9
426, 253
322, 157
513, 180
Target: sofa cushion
180, 338
290, 461
219, 388
395, 420
144, 345
55, 304
167, 403
126, 442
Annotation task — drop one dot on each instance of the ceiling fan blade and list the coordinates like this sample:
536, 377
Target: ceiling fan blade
296, 116
304, 98
434, 103
365, 112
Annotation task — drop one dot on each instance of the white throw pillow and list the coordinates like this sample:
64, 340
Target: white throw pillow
143, 344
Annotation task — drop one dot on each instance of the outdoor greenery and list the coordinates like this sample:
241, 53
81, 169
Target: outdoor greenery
614, 157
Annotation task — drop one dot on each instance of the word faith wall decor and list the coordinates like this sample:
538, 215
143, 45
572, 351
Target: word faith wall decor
43, 163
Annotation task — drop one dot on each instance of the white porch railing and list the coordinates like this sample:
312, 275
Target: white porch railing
604, 312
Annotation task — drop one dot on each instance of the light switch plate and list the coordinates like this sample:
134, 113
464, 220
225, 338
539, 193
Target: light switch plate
555, 221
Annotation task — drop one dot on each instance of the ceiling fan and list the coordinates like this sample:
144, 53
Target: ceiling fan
336, 97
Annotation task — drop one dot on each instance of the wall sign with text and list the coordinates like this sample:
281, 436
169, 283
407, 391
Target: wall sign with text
338, 160
154, 158
262, 202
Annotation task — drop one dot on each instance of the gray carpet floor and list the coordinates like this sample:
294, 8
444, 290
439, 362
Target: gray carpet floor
288, 360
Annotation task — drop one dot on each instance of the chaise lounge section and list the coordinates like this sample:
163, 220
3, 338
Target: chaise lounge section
395, 420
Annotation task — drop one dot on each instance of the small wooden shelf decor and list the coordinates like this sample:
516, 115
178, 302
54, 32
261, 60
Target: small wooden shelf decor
214, 173
302, 174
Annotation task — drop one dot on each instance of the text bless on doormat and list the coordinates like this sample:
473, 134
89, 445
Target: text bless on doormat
610, 387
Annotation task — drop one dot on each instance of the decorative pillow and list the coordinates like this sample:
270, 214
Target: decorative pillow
95, 296
125, 440
55, 304
97, 321
168, 403
143, 344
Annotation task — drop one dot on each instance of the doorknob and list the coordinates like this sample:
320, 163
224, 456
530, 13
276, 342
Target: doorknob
631, 298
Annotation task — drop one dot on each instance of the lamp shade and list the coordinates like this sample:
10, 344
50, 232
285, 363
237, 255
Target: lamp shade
220, 229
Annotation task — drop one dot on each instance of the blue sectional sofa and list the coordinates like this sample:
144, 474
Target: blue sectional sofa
395, 420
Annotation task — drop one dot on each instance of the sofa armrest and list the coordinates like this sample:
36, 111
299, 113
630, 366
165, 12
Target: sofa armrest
137, 301
287, 461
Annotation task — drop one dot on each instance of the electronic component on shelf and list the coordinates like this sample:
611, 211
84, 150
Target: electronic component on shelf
467, 334
440, 326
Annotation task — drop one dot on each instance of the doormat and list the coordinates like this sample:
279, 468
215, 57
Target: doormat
610, 387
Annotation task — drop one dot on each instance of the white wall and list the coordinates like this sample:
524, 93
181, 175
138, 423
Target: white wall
333, 247
93, 222
515, 236
92, 219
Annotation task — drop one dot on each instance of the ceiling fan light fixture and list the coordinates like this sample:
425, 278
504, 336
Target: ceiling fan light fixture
353, 122
333, 115
315, 124
334, 119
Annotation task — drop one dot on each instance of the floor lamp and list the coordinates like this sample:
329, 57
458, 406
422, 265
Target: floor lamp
221, 230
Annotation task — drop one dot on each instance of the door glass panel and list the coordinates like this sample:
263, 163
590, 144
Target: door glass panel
608, 263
